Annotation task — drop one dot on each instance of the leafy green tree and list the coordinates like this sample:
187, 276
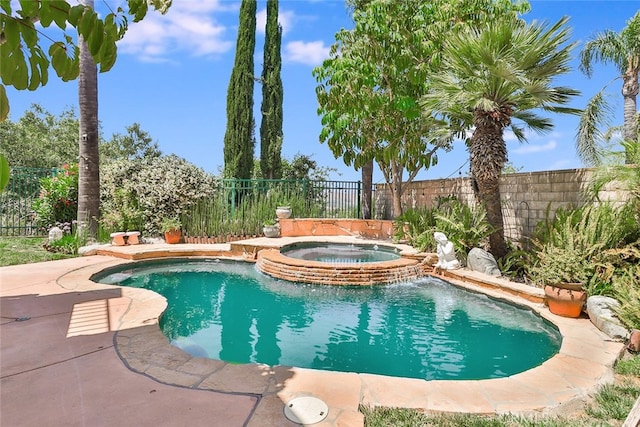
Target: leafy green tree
137, 144
623, 50
304, 167
39, 139
239, 138
492, 77
368, 90
271, 124
24, 64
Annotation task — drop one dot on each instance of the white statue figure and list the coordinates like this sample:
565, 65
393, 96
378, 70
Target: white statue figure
446, 253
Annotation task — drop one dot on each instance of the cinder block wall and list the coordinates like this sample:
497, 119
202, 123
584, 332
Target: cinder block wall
525, 196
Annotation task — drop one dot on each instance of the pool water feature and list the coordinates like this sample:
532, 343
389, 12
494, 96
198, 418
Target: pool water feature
335, 253
425, 329
338, 264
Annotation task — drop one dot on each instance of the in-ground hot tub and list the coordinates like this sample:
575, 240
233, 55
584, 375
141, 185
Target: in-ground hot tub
338, 264
336, 253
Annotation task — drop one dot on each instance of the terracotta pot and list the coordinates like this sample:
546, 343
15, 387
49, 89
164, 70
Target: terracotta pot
633, 344
172, 236
565, 299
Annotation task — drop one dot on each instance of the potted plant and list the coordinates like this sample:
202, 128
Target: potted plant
171, 227
271, 228
562, 271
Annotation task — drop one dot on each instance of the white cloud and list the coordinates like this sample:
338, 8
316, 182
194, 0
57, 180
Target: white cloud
309, 53
528, 149
188, 27
285, 19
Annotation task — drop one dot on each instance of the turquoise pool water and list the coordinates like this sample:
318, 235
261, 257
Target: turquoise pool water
337, 253
426, 329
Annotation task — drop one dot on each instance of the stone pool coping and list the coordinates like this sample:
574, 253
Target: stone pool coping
582, 365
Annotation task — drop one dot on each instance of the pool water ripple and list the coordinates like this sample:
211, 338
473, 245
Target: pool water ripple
425, 329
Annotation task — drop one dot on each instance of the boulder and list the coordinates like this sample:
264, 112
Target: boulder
482, 261
600, 310
55, 234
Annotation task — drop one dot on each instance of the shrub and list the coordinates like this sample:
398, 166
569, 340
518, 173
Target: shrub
465, 226
150, 190
57, 202
416, 227
68, 244
627, 293
599, 240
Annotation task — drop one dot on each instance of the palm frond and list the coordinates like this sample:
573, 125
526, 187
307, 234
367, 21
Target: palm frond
597, 114
605, 47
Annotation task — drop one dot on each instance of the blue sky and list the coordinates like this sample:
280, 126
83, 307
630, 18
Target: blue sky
172, 74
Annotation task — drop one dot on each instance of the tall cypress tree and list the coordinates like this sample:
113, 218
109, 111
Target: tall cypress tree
271, 125
239, 138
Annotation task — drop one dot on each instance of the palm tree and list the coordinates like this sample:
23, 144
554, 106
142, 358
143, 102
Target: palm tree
623, 50
88, 163
491, 77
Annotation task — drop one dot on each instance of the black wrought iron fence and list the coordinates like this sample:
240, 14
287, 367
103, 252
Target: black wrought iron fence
16, 216
240, 207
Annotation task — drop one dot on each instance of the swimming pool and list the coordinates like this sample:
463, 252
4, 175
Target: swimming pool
424, 329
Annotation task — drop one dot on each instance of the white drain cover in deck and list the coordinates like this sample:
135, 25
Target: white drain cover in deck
306, 410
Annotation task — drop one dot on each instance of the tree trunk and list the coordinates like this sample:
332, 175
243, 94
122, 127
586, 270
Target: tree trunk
489, 194
367, 189
630, 125
88, 162
488, 154
396, 188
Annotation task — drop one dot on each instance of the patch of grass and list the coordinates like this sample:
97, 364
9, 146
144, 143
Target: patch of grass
26, 250
401, 417
610, 407
629, 366
614, 401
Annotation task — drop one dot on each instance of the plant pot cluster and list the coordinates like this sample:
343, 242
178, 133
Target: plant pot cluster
121, 238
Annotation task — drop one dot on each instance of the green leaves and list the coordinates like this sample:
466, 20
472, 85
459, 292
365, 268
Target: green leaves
4, 103
23, 62
4, 166
67, 67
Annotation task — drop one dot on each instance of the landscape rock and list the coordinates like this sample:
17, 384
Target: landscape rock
482, 261
90, 249
600, 310
55, 234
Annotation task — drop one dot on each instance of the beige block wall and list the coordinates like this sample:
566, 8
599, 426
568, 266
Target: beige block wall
525, 196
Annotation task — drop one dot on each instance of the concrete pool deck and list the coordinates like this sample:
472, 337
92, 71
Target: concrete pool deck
76, 353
